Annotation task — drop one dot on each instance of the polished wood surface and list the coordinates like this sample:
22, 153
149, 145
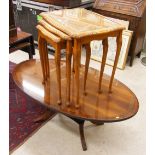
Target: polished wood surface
119, 105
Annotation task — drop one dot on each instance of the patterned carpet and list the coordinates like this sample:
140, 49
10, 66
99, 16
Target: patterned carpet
22, 111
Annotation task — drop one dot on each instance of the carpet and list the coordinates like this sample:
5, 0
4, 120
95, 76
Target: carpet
23, 110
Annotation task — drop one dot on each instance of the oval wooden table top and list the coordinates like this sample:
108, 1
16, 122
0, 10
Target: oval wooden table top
119, 105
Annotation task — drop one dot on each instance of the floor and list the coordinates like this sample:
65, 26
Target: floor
61, 136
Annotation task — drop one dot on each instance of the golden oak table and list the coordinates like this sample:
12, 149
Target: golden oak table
98, 108
85, 26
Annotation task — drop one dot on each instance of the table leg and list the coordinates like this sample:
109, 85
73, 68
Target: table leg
88, 53
81, 130
58, 71
73, 70
32, 44
105, 51
119, 45
131, 59
83, 142
41, 56
76, 56
46, 59
68, 69
32, 52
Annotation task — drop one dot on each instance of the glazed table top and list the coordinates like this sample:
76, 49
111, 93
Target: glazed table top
80, 22
119, 105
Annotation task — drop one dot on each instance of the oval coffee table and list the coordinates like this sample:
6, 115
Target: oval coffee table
97, 108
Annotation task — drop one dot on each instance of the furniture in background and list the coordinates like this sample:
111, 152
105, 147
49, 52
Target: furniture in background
12, 27
97, 108
68, 3
23, 41
19, 39
27, 11
133, 11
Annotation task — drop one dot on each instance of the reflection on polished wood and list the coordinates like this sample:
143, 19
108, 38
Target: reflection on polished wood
119, 105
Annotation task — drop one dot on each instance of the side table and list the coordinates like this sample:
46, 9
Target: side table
23, 41
84, 26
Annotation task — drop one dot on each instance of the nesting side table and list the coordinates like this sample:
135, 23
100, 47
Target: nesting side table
85, 26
